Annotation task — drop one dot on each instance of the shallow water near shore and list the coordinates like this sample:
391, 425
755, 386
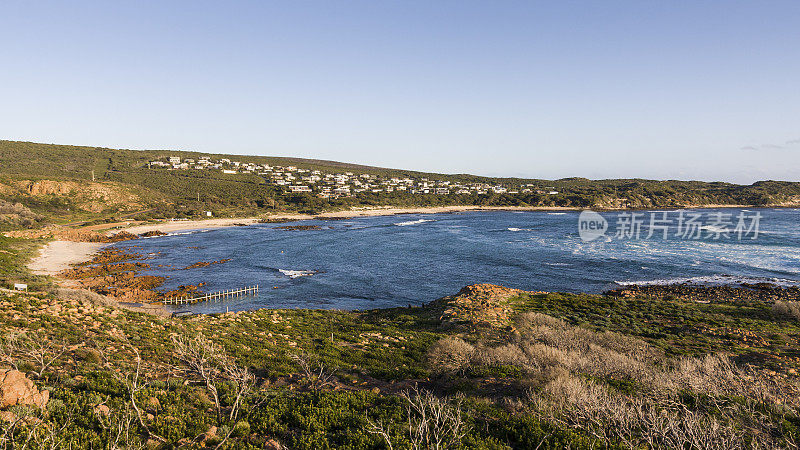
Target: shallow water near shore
380, 262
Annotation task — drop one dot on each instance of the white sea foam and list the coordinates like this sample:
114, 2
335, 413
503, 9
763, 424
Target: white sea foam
715, 229
182, 233
556, 213
514, 229
412, 222
297, 273
711, 280
176, 233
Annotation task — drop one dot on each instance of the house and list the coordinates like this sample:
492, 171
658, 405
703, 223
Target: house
299, 188
174, 160
343, 190
228, 171
20, 287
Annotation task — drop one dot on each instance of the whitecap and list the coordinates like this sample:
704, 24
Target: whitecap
297, 273
412, 222
711, 280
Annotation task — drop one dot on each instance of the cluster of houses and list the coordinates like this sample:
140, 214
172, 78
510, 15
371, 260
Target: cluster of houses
325, 185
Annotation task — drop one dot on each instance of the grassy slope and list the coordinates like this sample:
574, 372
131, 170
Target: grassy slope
175, 193
372, 355
14, 255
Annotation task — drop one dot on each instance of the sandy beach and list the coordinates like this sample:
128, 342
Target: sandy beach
169, 226
57, 256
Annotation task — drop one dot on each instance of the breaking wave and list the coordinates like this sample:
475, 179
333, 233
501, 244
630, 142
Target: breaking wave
412, 222
711, 280
297, 273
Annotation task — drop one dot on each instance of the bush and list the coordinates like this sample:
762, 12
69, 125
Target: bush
450, 355
787, 309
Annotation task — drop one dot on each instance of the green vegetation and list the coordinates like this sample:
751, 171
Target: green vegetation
187, 193
338, 379
14, 255
487, 368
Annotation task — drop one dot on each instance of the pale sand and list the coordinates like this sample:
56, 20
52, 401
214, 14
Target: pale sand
57, 256
169, 226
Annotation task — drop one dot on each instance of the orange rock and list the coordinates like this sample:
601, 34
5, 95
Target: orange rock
102, 410
17, 389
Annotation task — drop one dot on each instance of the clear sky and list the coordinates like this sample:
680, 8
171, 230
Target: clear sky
678, 89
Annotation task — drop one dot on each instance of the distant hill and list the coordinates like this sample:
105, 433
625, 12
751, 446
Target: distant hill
32, 158
123, 184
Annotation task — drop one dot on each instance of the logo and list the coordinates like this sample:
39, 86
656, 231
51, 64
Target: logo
591, 225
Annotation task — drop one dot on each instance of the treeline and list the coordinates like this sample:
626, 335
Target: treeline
190, 192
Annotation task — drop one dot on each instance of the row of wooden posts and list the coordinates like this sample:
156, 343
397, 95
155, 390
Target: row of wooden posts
210, 297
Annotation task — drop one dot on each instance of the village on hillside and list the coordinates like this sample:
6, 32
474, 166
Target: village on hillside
333, 185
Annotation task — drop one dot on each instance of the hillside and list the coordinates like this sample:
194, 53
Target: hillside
41, 182
488, 367
532, 370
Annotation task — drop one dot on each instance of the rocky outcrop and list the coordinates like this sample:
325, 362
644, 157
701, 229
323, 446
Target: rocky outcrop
115, 273
17, 389
478, 305
65, 233
200, 264
153, 233
88, 196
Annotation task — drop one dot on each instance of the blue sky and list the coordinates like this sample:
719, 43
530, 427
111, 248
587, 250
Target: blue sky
601, 89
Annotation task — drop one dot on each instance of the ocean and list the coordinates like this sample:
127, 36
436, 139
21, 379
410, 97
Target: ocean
390, 261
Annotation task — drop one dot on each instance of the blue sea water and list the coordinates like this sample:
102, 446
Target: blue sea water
379, 262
